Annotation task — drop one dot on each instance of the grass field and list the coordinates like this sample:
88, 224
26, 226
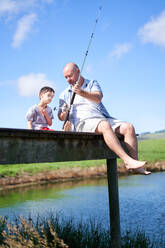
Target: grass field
149, 150
152, 150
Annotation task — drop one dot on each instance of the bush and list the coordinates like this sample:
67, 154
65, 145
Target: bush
57, 232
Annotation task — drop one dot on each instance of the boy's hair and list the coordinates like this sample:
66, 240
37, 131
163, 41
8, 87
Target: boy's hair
45, 89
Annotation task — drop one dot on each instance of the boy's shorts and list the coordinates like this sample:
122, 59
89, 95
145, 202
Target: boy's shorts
90, 125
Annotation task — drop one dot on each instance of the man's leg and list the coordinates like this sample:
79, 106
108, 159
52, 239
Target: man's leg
127, 130
113, 143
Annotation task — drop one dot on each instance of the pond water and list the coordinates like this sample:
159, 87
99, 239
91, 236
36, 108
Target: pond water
142, 201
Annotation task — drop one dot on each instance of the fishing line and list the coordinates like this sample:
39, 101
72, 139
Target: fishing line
82, 67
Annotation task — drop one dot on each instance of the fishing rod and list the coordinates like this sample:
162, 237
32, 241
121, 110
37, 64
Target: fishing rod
86, 54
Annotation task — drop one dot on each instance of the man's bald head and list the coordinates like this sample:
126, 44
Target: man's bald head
71, 73
70, 67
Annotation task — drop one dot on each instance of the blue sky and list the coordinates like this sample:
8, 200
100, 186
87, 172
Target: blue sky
127, 54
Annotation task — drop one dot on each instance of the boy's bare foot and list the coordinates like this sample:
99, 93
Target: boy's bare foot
134, 164
143, 171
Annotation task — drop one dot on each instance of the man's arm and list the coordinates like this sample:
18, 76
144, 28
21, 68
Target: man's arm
63, 110
95, 96
62, 113
30, 124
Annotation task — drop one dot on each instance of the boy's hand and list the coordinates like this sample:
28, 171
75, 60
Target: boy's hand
43, 110
45, 114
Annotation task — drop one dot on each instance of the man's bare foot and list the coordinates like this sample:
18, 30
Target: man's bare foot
143, 171
134, 164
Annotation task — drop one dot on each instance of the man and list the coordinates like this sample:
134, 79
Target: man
88, 114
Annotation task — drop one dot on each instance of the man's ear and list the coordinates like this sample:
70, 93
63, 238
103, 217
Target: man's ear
78, 70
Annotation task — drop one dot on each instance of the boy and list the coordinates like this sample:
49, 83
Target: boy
40, 115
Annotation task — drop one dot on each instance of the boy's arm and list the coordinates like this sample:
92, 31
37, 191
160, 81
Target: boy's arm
48, 119
29, 124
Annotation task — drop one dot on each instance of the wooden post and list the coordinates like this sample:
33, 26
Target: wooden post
113, 203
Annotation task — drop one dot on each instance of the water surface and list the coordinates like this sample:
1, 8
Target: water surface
142, 201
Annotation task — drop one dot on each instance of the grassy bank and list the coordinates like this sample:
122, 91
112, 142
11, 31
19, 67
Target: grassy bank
55, 231
150, 150
16, 169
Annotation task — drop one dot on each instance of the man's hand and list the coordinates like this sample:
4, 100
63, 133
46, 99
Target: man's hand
68, 126
65, 108
77, 89
92, 96
63, 111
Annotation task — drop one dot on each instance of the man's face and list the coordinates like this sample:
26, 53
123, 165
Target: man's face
71, 75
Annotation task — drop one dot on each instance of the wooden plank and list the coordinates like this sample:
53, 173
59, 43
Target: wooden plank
35, 146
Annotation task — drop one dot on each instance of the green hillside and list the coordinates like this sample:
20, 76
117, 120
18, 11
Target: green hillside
156, 135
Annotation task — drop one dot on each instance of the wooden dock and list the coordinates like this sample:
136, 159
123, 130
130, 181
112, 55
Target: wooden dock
34, 146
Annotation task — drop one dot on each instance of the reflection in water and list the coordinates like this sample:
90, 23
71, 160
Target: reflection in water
142, 201
11, 197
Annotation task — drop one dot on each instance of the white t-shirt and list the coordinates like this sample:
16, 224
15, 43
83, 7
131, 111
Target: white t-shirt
38, 120
83, 108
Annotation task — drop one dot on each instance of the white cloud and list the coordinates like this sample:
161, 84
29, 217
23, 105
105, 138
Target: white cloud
30, 85
120, 50
154, 31
24, 27
7, 7
12, 7
24, 8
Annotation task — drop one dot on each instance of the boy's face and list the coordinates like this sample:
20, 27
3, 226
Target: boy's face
47, 97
